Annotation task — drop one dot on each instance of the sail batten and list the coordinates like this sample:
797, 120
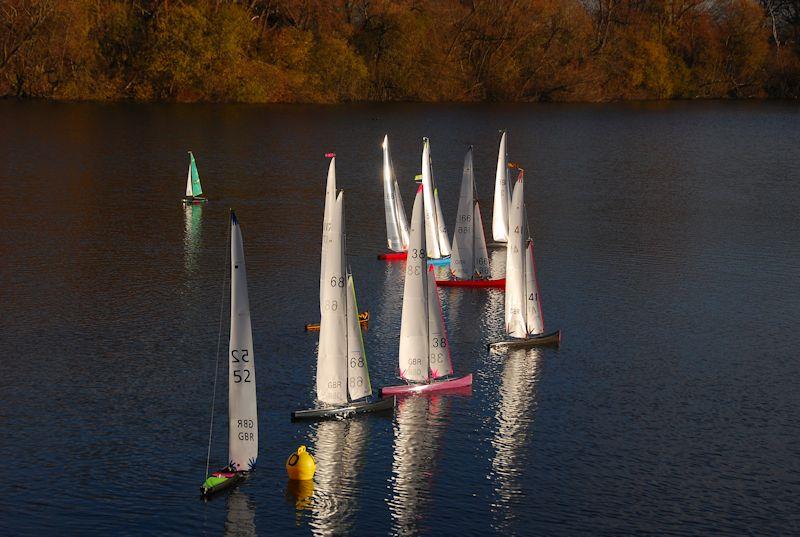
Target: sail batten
242, 408
414, 342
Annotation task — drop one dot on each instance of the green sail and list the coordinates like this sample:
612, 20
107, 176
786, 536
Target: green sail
196, 188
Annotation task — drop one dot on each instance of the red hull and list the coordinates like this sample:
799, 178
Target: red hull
393, 256
412, 389
499, 283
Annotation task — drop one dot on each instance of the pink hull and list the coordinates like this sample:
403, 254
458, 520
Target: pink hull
411, 389
393, 256
500, 283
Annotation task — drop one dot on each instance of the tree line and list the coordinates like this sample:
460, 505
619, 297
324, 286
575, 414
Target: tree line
398, 50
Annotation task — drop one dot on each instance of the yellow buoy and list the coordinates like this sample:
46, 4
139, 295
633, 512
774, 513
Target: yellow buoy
301, 465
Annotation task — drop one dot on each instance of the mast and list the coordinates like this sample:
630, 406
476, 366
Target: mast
242, 407
332, 353
414, 338
515, 266
502, 196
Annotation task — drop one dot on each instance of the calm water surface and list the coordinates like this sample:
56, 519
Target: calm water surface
668, 253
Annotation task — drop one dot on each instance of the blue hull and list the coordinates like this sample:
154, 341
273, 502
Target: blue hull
439, 262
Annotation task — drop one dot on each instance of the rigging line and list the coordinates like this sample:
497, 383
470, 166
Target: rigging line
219, 339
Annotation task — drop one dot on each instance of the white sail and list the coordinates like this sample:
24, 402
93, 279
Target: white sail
444, 240
533, 304
242, 410
440, 363
358, 384
481, 253
332, 352
462, 258
189, 181
330, 201
396, 223
431, 228
515, 266
502, 196
413, 356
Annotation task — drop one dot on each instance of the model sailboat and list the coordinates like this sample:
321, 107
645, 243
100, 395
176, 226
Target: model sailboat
343, 384
435, 232
242, 408
425, 362
523, 307
194, 192
469, 263
396, 223
502, 195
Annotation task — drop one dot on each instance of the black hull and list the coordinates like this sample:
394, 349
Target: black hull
539, 340
191, 200
343, 412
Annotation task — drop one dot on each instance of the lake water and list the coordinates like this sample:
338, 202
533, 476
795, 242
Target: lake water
668, 246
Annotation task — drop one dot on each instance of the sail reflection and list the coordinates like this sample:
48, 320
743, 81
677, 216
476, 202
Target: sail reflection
192, 219
515, 414
240, 521
420, 425
338, 447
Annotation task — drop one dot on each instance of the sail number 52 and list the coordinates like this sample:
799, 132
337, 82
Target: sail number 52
239, 357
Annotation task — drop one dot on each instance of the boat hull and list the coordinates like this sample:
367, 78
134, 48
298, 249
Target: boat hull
346, 411
538, 340
191, 200
412, 389
363, 319
401, 256
496, 244
212, 487
499, 283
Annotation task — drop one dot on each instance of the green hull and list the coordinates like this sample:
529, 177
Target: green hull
213, 484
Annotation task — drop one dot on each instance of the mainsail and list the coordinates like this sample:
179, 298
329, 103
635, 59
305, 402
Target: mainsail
533, 308
193, 187
429, 204
515, 265
481, 253
462, 259
330, 201
332, 352
414, 343
440, 363
396, 223
242, 411
502, 195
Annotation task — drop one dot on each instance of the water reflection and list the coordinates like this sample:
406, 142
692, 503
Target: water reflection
338, 447
192, 219
515, 413
240, 521
420, 424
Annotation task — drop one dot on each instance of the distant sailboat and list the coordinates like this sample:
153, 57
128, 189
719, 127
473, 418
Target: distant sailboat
424, 356
396, 223
469, 263
194, 192
502, 194
242, 407
343, 383
523, 308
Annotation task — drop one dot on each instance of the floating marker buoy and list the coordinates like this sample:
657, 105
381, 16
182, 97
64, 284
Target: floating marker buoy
301, 465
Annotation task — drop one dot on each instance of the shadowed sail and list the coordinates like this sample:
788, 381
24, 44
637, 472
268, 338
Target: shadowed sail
502, 194
396, 223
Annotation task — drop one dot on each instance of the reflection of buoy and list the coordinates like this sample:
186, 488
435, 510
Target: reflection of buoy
301, 465
300, 492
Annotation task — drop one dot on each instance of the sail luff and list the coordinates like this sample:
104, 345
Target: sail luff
413, 353
197, 190
515, 266
462, 257
330, 201
500, 209
358, 383
431, 229
242, 407
439, 360
332, 352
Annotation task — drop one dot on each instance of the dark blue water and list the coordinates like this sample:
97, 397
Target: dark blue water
668, 253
